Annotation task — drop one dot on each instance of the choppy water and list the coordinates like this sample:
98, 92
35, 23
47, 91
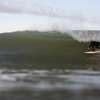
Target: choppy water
41, 66
26, 84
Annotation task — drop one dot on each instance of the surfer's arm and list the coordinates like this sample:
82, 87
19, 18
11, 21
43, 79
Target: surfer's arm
90, 46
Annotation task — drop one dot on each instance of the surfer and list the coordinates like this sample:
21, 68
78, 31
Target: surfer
94, 45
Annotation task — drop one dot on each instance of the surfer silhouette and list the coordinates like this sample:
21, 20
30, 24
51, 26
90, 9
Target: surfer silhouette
94, 45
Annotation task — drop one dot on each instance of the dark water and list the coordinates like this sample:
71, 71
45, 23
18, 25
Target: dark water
45, 66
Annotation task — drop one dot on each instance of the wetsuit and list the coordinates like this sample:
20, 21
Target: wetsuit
94, 45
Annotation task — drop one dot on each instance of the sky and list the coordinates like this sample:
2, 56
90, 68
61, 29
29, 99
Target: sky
44, 15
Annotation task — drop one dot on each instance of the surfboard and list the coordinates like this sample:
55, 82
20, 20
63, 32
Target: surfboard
92, 52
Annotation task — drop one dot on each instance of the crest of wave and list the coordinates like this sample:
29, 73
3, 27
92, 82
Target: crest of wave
83, 35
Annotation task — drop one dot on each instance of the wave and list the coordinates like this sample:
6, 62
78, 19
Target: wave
42, 48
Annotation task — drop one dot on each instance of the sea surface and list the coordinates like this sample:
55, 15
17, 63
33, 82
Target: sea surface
47, 66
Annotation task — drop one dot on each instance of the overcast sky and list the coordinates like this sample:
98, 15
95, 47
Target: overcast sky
16, 15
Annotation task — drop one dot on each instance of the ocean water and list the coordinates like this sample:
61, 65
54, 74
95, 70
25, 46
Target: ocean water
48, 66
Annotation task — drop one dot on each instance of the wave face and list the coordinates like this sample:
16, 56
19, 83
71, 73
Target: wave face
32, 48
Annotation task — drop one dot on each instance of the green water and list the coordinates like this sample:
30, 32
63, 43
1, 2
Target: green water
42, 49
45, 66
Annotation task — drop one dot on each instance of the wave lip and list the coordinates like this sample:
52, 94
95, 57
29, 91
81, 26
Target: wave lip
85, 36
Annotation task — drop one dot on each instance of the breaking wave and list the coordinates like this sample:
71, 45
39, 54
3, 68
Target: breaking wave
85, 36
33, 48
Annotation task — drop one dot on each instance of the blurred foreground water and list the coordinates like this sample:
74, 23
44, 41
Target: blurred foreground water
56, 84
